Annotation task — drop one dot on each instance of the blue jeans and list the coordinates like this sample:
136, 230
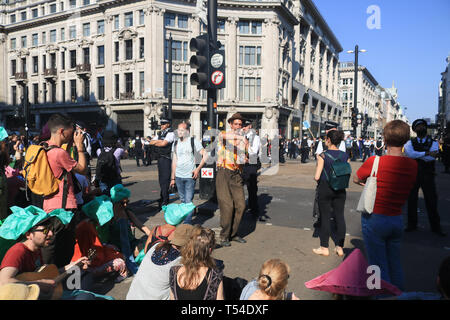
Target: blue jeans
382, 238
186, 189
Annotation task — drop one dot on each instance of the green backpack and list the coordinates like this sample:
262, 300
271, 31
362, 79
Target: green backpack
340, 173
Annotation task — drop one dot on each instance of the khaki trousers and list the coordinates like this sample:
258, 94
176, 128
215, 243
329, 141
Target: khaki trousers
231, 199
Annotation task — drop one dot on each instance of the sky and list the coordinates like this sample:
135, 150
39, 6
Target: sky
409, 47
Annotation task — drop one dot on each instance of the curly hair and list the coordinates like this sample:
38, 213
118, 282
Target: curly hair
273, 278
196, 253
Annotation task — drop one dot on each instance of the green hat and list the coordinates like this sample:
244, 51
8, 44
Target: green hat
119, 192
175, 213
23, 219
3, 134
99, 209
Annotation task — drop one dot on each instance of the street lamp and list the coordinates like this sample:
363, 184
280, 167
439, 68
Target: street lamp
355, 83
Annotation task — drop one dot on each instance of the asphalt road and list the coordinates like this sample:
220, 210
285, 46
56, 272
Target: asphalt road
286, 198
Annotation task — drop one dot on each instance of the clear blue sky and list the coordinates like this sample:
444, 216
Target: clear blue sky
409, 49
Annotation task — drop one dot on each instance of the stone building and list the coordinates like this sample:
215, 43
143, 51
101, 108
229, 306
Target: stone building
106, 62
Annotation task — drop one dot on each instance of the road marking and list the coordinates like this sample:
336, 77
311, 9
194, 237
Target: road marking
307, 229
268, 224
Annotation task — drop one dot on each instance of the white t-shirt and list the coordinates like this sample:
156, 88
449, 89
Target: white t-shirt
185, 157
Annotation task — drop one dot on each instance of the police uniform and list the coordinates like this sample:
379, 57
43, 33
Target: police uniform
250, 170
419, 148
164, 156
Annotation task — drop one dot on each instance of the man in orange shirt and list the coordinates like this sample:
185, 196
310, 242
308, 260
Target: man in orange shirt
232, 148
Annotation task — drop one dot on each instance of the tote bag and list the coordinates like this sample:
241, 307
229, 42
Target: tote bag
369, 193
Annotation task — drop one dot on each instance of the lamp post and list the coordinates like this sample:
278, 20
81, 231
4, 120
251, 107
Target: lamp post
355, 89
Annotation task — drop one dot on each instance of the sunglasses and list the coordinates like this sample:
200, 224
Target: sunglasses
45, 231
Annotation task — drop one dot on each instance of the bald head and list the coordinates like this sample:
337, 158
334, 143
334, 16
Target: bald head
183, 130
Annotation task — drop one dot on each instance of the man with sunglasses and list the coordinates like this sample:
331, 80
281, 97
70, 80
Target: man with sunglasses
232, 155
26, 256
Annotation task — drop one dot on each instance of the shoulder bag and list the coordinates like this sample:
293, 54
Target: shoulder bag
369, 193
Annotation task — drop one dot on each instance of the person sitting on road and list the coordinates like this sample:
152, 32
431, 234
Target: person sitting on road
165, 232
198, 278
271, 283
118, 230
26, 255
151, 282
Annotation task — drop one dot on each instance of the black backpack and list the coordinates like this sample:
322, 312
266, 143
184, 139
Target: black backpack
106, 169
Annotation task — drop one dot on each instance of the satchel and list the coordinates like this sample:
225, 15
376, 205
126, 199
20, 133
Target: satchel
369, 193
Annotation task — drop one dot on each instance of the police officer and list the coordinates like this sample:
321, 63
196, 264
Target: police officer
162, 144
424, 150
250, 171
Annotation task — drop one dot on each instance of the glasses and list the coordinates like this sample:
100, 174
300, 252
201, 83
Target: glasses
45, 231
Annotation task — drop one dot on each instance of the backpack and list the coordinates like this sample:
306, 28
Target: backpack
340, 173
106, 169
38, 175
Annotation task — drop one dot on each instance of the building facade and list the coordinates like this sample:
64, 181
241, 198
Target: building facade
443, 116
106, 62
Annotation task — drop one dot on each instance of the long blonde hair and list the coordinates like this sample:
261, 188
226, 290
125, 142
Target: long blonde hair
196, 253
273, 278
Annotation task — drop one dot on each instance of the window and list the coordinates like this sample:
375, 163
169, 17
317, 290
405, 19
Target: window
35, 93
128, 19
141, 48
61, 6
128, 49
73, 59
101, 55
86, 2
13, 43
220, 26
23, 15
72, 3
35, 64
86, 89
141, 83
72, 32
116, 22
169, 20
101, 27
34, 13
63, 60
249, 55
45, 92
14, 95
42, 11
44, 37
63, 91
182, 21
44, 62
24, 65
63, 34
179, 85
13, 67
86, 29
250, 27
23, 41
101, 88
52, 36
116, 51
129, 82
73, 90
34, 40
53, 92
86, 56
179, 50
249, 89
116, 85
12, 18
53, 8
141, 17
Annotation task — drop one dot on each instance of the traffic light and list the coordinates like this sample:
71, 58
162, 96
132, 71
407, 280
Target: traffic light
200, 61
354, 118
153, 124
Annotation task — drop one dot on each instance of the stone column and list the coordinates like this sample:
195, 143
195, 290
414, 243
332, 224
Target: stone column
269, 122
232, 55
196, 124
37, 120
112, 119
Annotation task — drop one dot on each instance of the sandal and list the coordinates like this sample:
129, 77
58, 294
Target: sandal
321, 251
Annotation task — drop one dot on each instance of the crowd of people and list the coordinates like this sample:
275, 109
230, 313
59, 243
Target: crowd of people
56, 211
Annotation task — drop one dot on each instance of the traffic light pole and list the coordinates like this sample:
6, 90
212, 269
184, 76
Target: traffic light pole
168, 113
212, 38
